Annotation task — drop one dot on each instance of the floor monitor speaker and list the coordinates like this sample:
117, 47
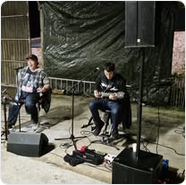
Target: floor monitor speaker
127, 168
27, 144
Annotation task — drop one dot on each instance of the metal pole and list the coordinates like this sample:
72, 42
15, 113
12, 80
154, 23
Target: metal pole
139, 110
6, 125
18, 103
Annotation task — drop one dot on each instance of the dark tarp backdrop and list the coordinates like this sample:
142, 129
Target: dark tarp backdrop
79, 36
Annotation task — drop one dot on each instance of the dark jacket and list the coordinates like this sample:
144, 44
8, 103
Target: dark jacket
126, 115
46, 100
117, 84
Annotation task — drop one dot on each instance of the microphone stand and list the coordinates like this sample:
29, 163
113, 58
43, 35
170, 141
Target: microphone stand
72, 137
5, 119
18, 103
6, 100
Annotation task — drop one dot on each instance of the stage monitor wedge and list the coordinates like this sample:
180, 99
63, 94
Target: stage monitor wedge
140, 24
27, 144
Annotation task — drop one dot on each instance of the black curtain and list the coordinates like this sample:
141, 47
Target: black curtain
80, 36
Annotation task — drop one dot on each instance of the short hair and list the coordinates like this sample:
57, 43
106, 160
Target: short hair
33, 57
109, 66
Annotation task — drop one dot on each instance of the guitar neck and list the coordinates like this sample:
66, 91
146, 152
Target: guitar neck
105, 94
120, 95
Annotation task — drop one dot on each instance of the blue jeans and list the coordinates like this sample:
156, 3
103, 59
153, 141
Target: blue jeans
30, 106
113, 106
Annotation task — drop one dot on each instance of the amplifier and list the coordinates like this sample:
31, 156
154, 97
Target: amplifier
127, 168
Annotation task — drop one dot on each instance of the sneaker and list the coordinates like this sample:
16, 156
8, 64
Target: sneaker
114, 134
11, 128
35, 127
98, 129
32, 123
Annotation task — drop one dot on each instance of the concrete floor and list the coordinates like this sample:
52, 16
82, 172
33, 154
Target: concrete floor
52, 169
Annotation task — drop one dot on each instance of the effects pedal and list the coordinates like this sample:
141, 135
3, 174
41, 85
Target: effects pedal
109, 158
89, 156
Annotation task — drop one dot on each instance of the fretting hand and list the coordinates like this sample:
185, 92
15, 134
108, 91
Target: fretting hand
97, 94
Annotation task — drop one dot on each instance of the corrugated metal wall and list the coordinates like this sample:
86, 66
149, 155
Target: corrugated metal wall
15, 39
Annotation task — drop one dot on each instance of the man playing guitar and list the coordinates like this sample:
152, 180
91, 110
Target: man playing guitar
109, 92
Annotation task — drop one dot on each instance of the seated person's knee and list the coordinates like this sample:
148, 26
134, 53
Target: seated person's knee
91, 105
115, 110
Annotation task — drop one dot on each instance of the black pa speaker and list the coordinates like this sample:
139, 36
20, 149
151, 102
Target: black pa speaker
27, 144
127, 168
139, 24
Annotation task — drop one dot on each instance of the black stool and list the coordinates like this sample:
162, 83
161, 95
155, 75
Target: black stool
107, 120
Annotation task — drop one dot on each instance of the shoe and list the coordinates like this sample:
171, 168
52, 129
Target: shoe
98, 129
114, 134
32, 123
35, 127
11, 128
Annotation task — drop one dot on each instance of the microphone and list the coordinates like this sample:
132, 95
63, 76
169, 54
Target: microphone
17, 69
4, 91
97, 69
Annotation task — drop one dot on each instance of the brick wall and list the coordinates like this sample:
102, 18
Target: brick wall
178, 63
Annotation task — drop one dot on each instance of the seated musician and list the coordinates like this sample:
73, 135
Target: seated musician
109, 92
32, 81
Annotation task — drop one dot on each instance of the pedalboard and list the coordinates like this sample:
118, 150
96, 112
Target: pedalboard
72, 160
84, 155
89, 156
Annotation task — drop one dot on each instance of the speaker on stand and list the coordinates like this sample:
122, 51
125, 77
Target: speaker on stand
139, 167
139, 24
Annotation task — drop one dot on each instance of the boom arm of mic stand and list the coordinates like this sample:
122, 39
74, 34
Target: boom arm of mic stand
75, 85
